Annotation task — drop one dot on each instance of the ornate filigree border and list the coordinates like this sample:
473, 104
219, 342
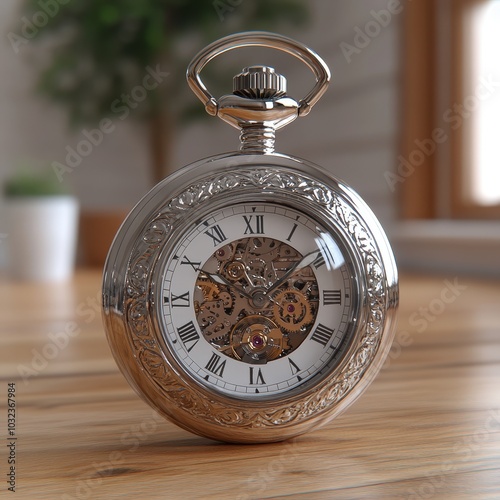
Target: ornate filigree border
147, 350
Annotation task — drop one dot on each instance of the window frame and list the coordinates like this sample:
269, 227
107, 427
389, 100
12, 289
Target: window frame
463, 206
435, 187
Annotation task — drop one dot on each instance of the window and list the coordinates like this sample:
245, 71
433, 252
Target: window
451, 110
482, 164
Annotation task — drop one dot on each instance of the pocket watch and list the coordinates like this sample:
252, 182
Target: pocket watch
250, 297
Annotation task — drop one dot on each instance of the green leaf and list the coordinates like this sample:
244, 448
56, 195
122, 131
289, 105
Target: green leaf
30, 182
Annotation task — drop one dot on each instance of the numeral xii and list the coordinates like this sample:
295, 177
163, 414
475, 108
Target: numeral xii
255, 224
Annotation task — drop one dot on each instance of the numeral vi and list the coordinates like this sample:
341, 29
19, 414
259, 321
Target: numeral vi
256, 378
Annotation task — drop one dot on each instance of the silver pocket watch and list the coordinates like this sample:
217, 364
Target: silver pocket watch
251, 296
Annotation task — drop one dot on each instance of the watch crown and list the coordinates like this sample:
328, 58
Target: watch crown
259, 82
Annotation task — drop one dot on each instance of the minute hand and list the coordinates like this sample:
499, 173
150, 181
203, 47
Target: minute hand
307, 260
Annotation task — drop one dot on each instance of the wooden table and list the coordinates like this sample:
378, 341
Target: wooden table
428, 427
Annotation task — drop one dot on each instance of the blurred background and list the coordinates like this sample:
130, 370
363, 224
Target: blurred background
95, 108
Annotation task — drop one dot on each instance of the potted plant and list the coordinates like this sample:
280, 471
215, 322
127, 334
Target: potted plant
42, 222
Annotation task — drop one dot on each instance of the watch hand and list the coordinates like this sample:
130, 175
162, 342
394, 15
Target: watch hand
217, 278
307, 260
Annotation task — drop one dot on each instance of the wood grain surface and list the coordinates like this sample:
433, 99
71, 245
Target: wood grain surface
428, 427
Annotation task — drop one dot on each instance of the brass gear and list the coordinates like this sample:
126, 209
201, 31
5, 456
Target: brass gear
209, 289
291, 310
255, 339
214, 311
235, 270
225, 253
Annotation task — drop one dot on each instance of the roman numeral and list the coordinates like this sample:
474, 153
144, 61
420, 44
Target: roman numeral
215, 365
188, 335
295, 369
186, 262
332, 297
180, 300
322, 335
259, 379
215, 232
319, 261
255, 224
291, 232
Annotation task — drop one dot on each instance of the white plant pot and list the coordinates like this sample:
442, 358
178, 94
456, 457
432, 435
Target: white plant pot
41, 237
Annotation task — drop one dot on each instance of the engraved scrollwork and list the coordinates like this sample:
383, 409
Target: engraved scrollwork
156, 232
147, 350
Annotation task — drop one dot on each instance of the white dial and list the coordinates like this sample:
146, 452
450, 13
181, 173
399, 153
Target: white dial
257, 300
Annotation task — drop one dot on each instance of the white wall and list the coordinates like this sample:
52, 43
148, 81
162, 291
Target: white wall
353, 131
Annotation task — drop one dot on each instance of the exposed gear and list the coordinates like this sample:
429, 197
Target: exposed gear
263, 246
224, 253
292, 310
209, 288
235, 270
257, 339
212, 318
213, 309
236, 314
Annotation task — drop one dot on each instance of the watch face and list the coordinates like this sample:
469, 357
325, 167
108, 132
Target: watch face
257, 300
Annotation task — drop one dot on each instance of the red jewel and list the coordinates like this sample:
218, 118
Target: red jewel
257, 341
290, 308
221, 253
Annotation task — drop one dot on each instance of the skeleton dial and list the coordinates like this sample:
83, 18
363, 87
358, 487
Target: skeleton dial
256, 300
